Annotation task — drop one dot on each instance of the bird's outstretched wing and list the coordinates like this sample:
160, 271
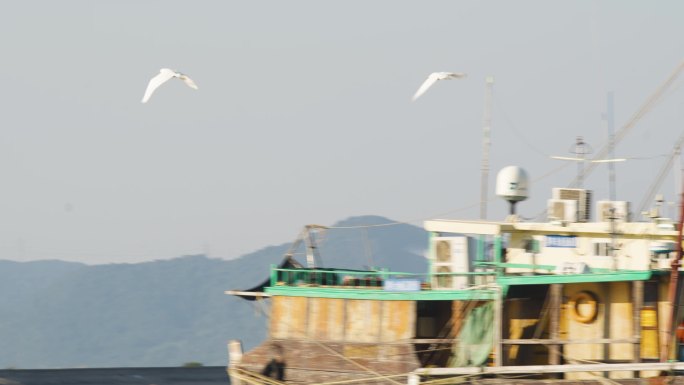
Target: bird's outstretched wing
164, 75
188, 81
453, 75
431, 79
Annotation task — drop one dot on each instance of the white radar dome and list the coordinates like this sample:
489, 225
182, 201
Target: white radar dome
511, 184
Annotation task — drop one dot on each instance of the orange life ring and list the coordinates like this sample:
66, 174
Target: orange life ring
584, 297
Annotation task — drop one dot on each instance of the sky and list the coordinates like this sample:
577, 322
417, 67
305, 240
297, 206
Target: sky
304, 115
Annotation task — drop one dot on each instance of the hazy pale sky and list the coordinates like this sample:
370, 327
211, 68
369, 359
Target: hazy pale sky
303, 115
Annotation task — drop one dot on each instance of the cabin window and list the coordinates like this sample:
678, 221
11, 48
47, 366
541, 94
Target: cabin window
602, 249
531, 246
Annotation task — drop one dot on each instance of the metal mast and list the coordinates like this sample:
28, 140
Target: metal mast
611, 143
581, 149
611, 175
486, 126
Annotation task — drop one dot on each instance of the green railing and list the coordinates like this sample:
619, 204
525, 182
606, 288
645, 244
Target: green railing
371, 279
376, 279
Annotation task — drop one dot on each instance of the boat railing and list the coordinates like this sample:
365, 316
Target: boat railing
482, 273
365, 279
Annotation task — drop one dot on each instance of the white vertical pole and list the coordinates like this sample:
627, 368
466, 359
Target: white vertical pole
580, 152
611, 142
611, 174
413, 379
486, 127
234, 359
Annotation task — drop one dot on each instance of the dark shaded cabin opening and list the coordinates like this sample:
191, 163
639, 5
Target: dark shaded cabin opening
524, 303
434, 321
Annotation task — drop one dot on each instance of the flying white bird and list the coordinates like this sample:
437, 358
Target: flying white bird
432, 79
164, 75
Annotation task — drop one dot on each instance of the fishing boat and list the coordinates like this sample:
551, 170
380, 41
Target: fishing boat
588, 294
572, 298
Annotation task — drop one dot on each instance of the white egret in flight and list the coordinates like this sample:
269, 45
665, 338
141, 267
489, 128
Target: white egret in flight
164, 75
432, 79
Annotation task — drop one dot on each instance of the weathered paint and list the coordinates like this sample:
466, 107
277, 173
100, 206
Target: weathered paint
326, 319
620, 325
584, 331
298, 317
279, 308
621, 322
398, 320
330, 319
664, 309
362, 322
614, 320
289, 317
335, 318
317, 325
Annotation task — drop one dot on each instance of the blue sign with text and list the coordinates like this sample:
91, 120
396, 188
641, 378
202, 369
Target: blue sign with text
402, 284
568, 241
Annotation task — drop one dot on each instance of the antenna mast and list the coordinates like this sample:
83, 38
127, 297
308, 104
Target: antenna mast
486, 126
611, 143
582, 148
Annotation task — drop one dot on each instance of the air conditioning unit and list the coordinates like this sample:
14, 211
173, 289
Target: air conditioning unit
562, 210
581, 196
619, 214
450, 255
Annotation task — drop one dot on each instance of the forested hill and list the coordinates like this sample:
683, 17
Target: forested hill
56, 314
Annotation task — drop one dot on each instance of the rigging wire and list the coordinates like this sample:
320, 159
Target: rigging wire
445, 213
515, 131
651, 102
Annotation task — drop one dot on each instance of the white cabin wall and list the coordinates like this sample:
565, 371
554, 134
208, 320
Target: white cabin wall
632, 254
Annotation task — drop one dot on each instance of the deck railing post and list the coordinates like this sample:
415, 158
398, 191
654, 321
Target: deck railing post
274, 275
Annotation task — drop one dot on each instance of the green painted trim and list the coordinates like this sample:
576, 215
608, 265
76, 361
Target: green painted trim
274, 275
424, 295
574, 278
380, 273
497, 254
480, 249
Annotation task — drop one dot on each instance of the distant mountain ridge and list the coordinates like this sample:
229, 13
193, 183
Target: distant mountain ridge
59, 314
